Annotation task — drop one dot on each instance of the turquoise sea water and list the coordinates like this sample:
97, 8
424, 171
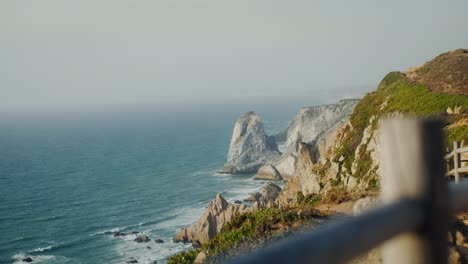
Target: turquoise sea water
69, 180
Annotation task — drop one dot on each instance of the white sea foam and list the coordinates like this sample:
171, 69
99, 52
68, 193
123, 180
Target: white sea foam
108, 231
42, 249
18, 258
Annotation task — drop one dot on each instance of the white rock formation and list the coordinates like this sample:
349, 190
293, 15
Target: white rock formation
268, 172
250, 147
312, 123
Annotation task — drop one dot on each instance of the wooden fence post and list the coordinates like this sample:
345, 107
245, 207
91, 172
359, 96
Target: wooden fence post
456, 161
412, 168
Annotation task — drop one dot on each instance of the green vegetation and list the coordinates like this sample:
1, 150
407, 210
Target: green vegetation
248, 228
395, 94
310, 200
186, 257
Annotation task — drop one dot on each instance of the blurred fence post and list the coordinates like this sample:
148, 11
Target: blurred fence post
456, 161
412, 168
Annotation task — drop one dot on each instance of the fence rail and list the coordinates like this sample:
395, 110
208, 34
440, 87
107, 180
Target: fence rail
457, 160
413, 223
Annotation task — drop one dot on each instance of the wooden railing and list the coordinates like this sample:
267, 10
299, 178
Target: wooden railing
413, 223
456, 156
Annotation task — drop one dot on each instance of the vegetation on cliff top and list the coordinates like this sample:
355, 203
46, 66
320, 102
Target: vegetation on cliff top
251, 229
396, 93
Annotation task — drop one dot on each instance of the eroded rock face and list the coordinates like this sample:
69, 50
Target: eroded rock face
268, 172
312, 123
269, 194
218, 213
250, 147
286, 166
304, 179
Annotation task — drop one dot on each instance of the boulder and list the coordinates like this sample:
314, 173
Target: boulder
250, 147
27, 259
158, 240
142, 239
286, 166
254, 197
268, 172
119, 234
218, 213
132, 260
270, 193
201, 257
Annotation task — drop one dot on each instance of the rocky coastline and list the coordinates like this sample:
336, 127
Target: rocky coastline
329, 160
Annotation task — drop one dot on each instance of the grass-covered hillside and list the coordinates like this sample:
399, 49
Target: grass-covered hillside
397, 94
351, 169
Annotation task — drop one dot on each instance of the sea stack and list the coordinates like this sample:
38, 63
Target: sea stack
250, 147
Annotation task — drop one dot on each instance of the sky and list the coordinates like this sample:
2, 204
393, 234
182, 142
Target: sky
64, 53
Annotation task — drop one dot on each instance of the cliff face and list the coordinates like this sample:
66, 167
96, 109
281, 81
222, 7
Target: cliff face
250, 147
218, 213
348, 156
313, 123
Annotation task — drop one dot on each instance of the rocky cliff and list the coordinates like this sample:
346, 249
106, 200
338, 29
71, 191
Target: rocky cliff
347, 158
313, 123
219, 212
250, 146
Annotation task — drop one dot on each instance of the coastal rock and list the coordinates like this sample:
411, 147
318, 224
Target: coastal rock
312, 123
304, 179
119, 234
250, 147
254, 197
286, 166
142, 239
132, 260
27, 259
158, 240
201, 257
218, 213
268, 172
270, 193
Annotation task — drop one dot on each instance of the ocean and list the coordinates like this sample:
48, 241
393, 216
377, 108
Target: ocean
70, 179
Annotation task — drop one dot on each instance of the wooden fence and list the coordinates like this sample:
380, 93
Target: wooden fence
456, 156
413, 223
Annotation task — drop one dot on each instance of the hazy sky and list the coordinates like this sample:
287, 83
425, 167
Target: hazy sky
63, 52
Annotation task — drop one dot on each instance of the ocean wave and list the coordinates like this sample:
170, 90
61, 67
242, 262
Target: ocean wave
109, 231
41, 249
49, 259
18, 258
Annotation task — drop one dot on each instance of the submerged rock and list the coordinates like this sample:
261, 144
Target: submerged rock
132, 260
158, 240
268, 172
250, 147
119, 234
218, 213
27, 259
142, 239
